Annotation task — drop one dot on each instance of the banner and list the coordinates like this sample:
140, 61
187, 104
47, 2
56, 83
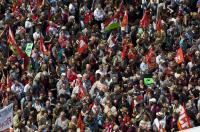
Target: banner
6, 117
28, 50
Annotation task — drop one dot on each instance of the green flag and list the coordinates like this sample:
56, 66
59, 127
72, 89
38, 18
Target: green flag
148, 81
28, 50
112, 26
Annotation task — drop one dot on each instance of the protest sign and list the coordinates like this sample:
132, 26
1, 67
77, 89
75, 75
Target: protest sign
28, 50
148, 81
6, 117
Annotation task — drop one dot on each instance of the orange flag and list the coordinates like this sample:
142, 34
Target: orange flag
124, 21
183, 120
80, 123
179, 56
158, 24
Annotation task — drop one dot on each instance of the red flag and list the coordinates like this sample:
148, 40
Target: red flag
23, 55
82, 46
183, 120
124, 50
158, 24
149, 56
42, 46
124, 21
145, 21
179, 56
80, 123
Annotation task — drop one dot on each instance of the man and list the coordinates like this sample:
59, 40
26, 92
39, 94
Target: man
62, 121
159, 122
17, 121
62, 81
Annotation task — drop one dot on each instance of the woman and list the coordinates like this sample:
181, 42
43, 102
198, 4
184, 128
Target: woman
145, 124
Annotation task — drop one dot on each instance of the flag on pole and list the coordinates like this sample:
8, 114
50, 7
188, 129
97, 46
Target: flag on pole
112, 26
80, 123
124, 50
158, 24
183, 120
11, 41
145, 21
179, 56
11, 38
149, 56
124, 21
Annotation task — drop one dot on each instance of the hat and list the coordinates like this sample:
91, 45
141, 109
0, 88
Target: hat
159, 113
153, 100
63, 27
63, 74
79, 75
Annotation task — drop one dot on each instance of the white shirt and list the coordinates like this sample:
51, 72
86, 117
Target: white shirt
17, 88
143, 67
101, 72
72, 8
160, 124
99, 14
36, 35
27, 88
189, 66
28, 24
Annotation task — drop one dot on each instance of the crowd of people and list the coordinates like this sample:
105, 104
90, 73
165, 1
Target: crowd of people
100, 65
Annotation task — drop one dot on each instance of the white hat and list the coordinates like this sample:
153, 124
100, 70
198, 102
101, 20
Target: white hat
153, 100
63, 27
79, 75
63, 74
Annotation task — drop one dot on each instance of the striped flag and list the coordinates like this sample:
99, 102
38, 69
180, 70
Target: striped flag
183, 120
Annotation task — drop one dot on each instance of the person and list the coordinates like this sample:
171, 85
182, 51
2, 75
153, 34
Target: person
62, 122
145, 123
17, 120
